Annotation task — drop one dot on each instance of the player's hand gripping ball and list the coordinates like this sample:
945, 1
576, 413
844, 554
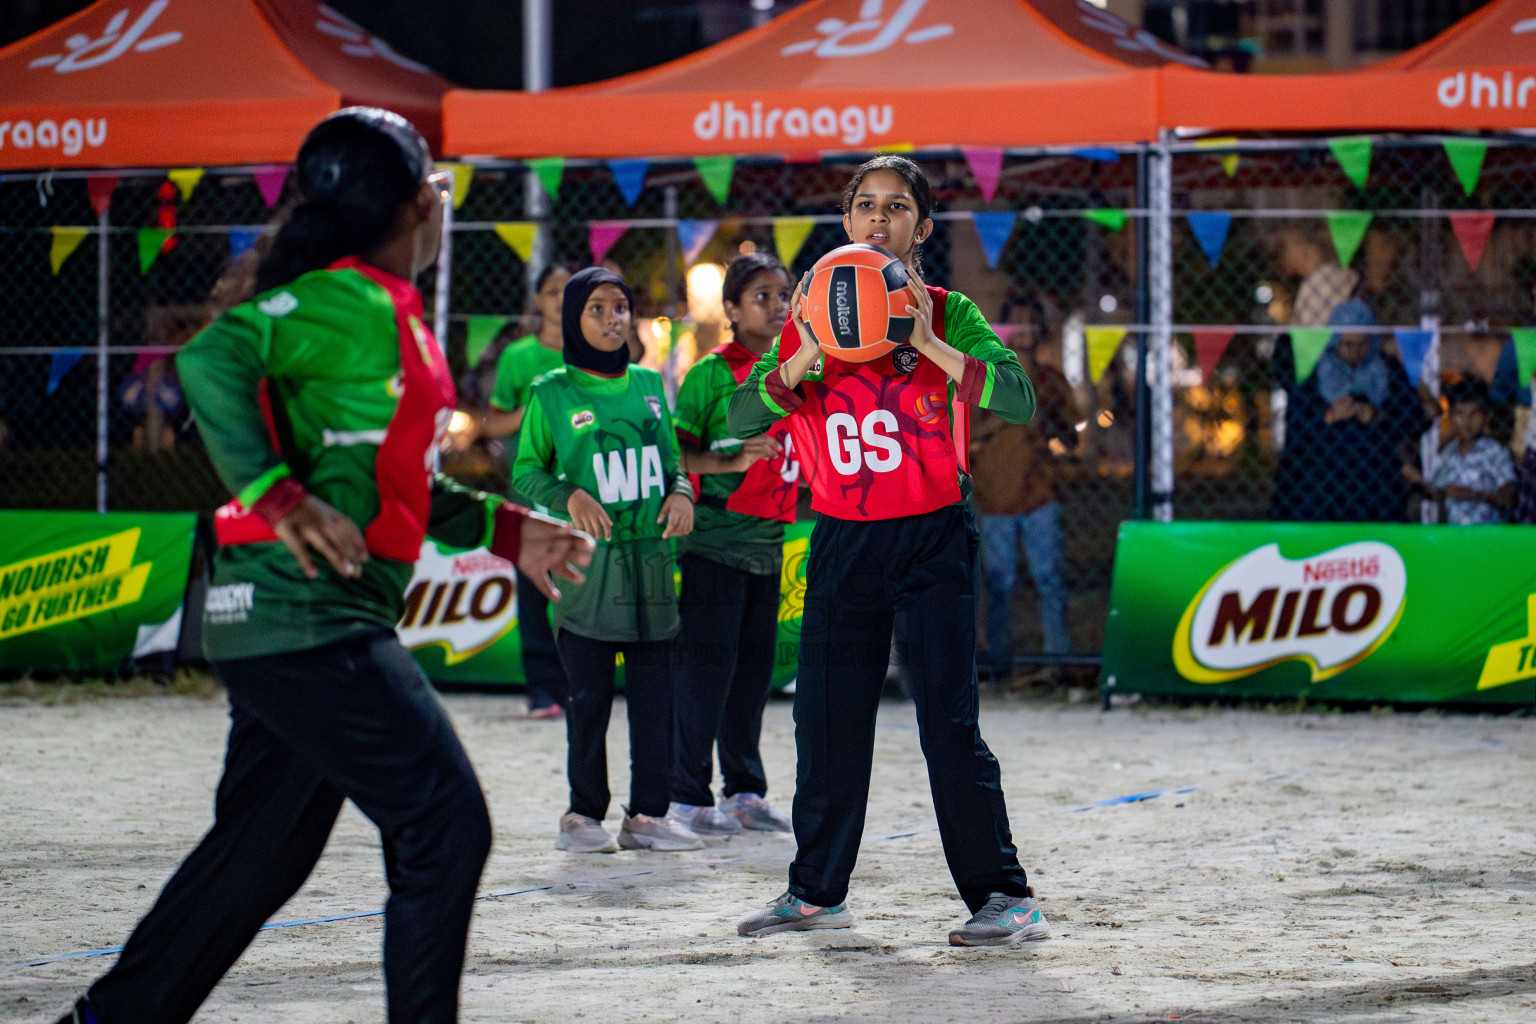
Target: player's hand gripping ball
855, 303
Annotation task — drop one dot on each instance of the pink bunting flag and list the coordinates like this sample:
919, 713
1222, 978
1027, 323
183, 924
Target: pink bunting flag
148, 357
986, 164
602, 234
1472, 231
1209, 346
101, 187
270, 181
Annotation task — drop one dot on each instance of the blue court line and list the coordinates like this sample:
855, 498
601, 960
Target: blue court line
1134, 798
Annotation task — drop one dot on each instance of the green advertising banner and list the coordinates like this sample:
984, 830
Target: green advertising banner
87, 591
460, 617
1348, 612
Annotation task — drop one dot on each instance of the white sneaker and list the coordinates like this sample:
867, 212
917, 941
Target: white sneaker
703, 820
644, 832
755, 813
581, 834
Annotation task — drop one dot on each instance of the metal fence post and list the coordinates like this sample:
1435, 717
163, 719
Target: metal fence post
1143, 316
103, 332
444, 278
1161, 354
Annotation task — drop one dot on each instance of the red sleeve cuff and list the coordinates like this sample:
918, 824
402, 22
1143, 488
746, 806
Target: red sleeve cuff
973, 382
281, 498
507, 531
785, 398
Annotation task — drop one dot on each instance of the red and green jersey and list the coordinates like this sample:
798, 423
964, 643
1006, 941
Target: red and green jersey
613, 438
887, 438
740, 517
333, 381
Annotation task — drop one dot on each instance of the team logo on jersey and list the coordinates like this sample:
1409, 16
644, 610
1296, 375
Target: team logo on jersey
279, 305
932, 406
655, 403
583, 419
904, 358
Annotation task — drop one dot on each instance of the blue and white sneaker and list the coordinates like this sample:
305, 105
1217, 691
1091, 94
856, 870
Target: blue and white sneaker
1003, 920
790, 914
755, 813
703, 820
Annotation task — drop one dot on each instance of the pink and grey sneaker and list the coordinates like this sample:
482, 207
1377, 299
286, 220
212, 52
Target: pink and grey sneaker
788, 913
1001, 921
755, 813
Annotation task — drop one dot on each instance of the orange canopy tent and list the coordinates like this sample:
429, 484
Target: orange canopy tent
850, 74
168, 82
1478, 74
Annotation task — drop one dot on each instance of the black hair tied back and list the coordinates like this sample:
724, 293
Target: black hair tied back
907, 171
355, 171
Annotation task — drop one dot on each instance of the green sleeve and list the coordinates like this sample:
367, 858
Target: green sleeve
533, 472
691, 416
505, 394
761, 400
993, 378
221, 372
670, 464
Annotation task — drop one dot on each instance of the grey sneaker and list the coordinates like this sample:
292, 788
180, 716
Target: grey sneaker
755, 813
644, 832
581, 834
1003, 920
790, 914
703, 820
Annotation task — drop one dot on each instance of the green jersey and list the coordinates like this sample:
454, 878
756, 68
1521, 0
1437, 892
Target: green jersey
333, 381
613, 438
521, 363
740, 517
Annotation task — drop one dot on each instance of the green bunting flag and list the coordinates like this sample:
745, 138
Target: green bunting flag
65, 241
1307, 344
1348, 230
550, 170
1112, 219
1353, 152
479, 332
1525, 353
1466, 156
151, 241
717, 172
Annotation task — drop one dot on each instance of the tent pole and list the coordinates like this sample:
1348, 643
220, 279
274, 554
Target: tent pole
1161, 279
538, 33
103, 330
1143, 315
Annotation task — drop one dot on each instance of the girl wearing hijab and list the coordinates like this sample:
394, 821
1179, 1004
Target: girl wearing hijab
598, 446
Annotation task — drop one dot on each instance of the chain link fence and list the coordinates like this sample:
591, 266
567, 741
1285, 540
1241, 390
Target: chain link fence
1166, 363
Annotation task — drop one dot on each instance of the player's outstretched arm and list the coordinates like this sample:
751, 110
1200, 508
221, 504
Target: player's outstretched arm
992, 378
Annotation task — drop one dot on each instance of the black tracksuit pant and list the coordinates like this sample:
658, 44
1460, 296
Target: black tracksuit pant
351, 720
589, 671
722, 670
858, 575
541, 659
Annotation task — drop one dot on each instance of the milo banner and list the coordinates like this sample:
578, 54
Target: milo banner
86, 591
460, 617
1324, 611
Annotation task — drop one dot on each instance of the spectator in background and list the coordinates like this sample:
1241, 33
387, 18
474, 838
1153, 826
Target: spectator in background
1346, 423
1324, 284
1507, 391
1014, 476
1475, 476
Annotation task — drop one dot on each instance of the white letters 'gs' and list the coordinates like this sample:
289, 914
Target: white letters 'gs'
879, 451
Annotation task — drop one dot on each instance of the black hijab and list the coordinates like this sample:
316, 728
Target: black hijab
578, 351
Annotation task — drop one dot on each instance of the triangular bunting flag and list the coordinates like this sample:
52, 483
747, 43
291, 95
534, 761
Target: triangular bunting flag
269, 180
1472, 231
151, 241
1112, 219
789, 234
1209, 346
695, 235
1229, 161
896, 147
802, 156
986, 163
629, 175
601, 235
1307, 344
549, 170
1003, 331
519, 236
717, 172
242, 241
479, 332
100, 187
1348, 230
1102, 155
1353, 152
1414, 345
993, 229
185, 179
1466, 156
1525, 353
463, 174
1210, 230
1103, 343
65, 241
62, 363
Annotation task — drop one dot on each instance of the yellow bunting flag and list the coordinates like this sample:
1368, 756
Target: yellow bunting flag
519, 235
1103, 343
896, 147
1229, 161
65, 241
186, 179
789, 234
463, 174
